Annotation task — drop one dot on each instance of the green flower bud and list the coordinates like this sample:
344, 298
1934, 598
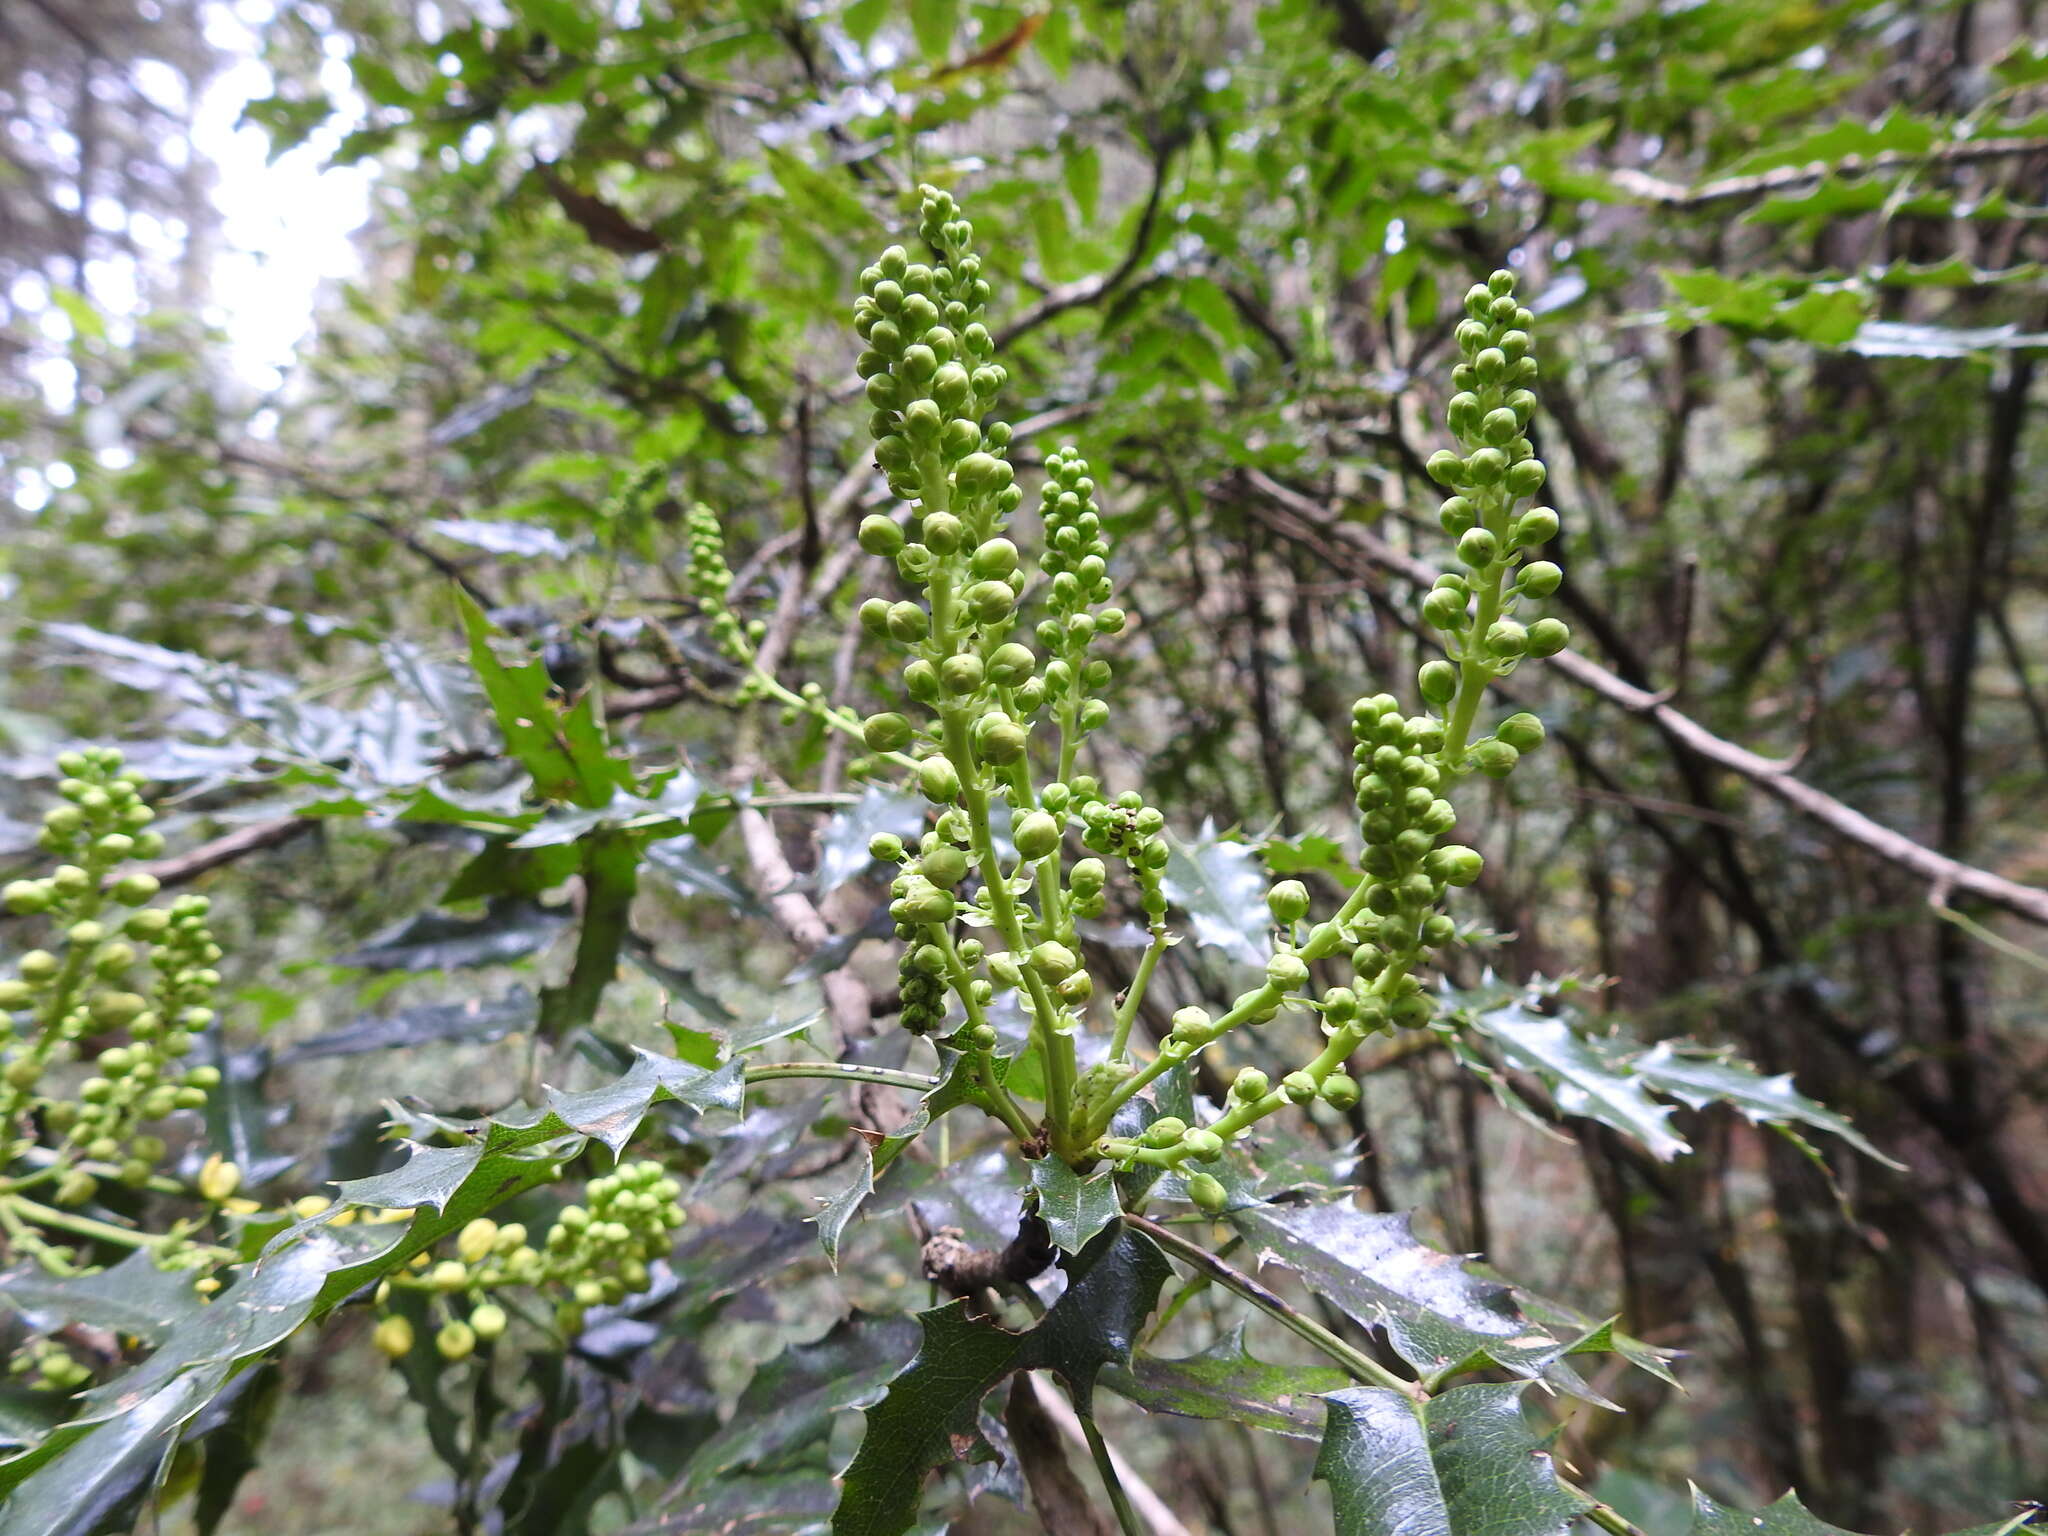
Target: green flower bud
994, 559
961, 674
1206, 1191
1444, 609
1164, 1132
1053, 960
1538, 525
1500, 426
886, 732
938, 779
449, 1275
1454, 864
944, 865
1496, 759
990, 602
1299, 1087
1077, 988
15, 994
488, 1322
1540, 579
1478, 548
1507, 639
1486, 466
1548, 636
1523, 732
1339, 1091
907, 621
886, 848
1191, 1025
37, 966
1087, 876
1446, 468
1202, 1144
1250, 1085
921, 680
1003, 742
1010, 664
1456, 515
1287, 971
70, 880
1288, 901
112, 1010
456, 1341
879, 535
22, 897
1524, 478
941, 533
1036, 835
1438, 681
925, 903
393, 1337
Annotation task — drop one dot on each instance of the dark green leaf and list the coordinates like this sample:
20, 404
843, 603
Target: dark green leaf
1464, 1465
509, 930
1436, 1314
1224, 1381
1581, 1079
1074, 1208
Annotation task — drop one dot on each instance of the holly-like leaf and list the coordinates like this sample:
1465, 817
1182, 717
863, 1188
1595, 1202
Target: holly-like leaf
1435, 1312
1074, 1208
1581, 1078
1464, 1464
1787, 1517
1700, 1078
931, 1414
841, 1208
134, 1298
1221, 885
843, 845
1224, 1381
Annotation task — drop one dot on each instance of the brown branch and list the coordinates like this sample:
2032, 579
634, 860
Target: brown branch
1942, 873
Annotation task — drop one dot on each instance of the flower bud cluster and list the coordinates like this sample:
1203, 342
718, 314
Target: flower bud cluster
1406, 765
709, 581
128, 992
1474, 607
1075, 561
594, 1254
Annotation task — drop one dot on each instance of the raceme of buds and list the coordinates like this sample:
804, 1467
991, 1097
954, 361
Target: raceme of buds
115, 983
1406, 766
596, 1253
1002, 683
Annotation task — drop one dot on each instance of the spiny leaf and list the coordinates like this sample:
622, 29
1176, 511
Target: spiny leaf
1224, 1381
1221, 885
1074, 1208
1702, 1078
1437, 1314
1465, 1464
1582, 1079
1787, 1517
843, 845
931, 1415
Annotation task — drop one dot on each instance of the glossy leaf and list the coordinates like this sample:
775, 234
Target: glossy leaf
1463, 1465
1225, 1382
1221, 885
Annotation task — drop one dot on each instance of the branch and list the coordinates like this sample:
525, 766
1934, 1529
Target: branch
1672, 194
1944, 875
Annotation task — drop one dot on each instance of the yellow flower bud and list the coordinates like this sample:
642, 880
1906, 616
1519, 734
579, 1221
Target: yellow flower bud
219, 1178
394, 1337
476, 1241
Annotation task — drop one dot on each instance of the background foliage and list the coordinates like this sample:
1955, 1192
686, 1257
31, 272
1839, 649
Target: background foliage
1788, 262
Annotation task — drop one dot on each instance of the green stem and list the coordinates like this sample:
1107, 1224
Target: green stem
1134, 994
1361, 1365
1322, 940
1056, 1048
1105, 1467
1000, 1104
